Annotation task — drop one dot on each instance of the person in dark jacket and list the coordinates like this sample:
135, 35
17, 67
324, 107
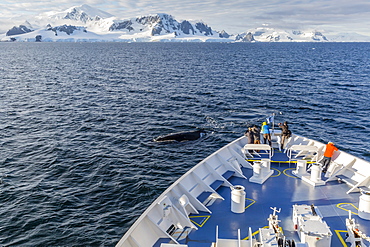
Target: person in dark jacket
249, 135
285, 133
257, 135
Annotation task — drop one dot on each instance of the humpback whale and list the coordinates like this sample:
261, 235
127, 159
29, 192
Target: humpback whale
181, 136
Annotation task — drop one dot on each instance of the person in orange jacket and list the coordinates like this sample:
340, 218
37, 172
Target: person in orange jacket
329, 151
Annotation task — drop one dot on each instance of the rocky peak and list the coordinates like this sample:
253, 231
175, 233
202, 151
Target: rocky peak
82, 13
223, 34
121, 25
186, 27
203, 28
245, 37
77, 15
318, 36
21, 29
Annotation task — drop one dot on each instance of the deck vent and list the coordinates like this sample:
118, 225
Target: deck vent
171, 229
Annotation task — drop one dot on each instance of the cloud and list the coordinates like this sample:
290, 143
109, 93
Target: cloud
319, 13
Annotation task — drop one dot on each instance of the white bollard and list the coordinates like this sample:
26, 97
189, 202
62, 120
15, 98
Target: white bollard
315, 173
261, 171
364, 206
315, 178
266, 164
257, 166
237, 199
301, 167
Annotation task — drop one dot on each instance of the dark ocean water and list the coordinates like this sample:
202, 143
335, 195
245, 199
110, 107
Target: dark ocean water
78, 164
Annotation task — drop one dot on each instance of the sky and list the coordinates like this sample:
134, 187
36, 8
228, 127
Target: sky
233, 16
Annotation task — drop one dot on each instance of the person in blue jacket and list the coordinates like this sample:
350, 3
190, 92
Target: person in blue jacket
265, 129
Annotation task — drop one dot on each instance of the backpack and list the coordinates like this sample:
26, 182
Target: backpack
289, 133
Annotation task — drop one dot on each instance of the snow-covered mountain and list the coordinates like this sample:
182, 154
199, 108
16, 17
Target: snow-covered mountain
163, 24
85, 23
26, 27
266, 34
82, 14
349, 37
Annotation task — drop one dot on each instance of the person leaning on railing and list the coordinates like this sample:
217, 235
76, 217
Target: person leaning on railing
329, 151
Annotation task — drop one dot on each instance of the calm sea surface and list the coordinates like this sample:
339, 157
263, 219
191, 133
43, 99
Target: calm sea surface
77, 160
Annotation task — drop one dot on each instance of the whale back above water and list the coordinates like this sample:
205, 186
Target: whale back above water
181, 136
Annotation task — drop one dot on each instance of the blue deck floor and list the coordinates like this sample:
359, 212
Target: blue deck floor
281, 190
